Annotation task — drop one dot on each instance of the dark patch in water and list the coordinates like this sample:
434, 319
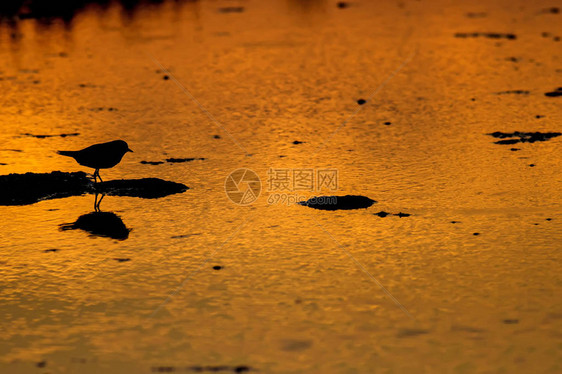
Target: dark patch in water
297, 142
175, 160
361, 101
152, 162
490, 35
346, 202
231, 9
510, 321
104, 224
476, 15
216, 136
122, 259
405, 333
552, 10
50, 250
51, 136
516, 92
217, 267
201, 369
555, 93
523, 137
383, 214
29, 188
342, 4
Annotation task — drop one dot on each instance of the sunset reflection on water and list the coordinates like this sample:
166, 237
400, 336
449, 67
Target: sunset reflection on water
455, 268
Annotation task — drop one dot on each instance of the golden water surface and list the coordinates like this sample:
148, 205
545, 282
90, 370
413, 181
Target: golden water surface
300, 290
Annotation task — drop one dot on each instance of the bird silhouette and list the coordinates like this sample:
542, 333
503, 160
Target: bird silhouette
99, 156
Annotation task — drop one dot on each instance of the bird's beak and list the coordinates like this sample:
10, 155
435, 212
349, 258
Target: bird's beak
129, 150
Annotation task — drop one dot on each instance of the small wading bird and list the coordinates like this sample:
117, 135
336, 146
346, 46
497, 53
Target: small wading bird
99, 156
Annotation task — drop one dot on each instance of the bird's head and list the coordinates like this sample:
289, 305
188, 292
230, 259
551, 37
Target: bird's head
122, 146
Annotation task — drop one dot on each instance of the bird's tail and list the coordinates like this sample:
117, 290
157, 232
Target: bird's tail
67, 153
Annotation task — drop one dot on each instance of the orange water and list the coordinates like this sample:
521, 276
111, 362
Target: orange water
289, 298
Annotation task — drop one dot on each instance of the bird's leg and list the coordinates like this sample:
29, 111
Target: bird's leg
97, 206
99, 176
96, 175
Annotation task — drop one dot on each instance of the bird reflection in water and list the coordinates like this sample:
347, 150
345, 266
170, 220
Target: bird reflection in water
98, 223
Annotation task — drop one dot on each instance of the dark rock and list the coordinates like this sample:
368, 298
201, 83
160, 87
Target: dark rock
514, 149
539, 116
241, 369
146, 188
508, 141
388, 123
297, 142
382, 213
346, 202
555, 93
50, 250
122, 259
165, 77
217, 267
342, 5
361, 101
403, 215
217, 136
549, 219
29, 188
455, 222
104, 224
41, 364
476, 234
532, 165
152, 162
553, 10
523, 137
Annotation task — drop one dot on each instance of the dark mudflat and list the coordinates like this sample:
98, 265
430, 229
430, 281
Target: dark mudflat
346, 202
29, 188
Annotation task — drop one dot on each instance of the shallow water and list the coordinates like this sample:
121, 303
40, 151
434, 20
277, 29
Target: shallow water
292, 294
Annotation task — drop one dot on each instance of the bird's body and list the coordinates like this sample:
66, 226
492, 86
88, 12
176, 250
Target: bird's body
99, 156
